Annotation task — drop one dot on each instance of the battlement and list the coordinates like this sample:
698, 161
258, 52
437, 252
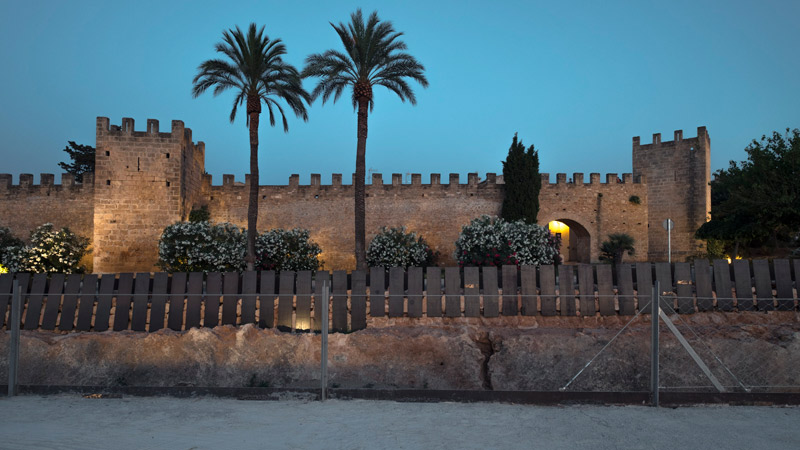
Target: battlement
702, 133
178, 132
47, 181
454, 179
577, 179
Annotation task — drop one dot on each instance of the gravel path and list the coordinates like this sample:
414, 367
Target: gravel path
74, 422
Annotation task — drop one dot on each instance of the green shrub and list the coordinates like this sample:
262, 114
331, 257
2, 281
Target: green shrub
491, 241
9, 245
280, 249
202, 247
200, 215
50, 250
615, 247
635, 200
397, 247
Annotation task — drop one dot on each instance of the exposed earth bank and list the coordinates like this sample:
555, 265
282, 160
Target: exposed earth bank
520, 353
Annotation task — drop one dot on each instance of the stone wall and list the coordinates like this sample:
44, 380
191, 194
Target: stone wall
678, 176
25, 206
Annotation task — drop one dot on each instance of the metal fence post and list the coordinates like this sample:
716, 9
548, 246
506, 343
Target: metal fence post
654, 309
324, 340
14, 343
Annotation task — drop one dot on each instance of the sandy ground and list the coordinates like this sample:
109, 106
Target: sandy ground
73, 422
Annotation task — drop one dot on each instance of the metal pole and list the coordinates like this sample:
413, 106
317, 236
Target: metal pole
13, 351
654, 309
324, 339
669, 242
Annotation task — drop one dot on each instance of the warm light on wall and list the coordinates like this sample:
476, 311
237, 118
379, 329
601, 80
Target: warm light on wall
558, 227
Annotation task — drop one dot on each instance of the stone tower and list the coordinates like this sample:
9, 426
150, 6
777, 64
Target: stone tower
677, 174
145, 180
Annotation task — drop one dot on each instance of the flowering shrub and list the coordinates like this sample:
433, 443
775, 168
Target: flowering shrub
491, 241
50, 250
395, 247
202, 247
280, 249
9, 246
3, 269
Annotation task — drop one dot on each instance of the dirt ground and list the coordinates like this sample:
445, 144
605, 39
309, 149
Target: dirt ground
74, 422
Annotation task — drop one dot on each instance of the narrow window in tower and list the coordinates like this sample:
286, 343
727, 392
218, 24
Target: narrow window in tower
676, 176
138, 165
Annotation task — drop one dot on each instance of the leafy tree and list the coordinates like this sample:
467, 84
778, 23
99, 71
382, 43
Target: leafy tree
758, 200
255, 70
615, 247
373, 56
522, 183
82, 157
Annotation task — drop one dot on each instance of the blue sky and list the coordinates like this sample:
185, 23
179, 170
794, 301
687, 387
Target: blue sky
577, 79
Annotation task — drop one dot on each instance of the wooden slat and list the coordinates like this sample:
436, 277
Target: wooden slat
266, 300
194, 300
702, 275
339, 306
627, 306
377, 292
683, 286
86, 303
211, 299
23, 279
396, 291
358, 299
529, 294
249, 292
434, 292
35, 296
158, 301
566, 290
415, 283
491, 298
472, 291
54, 290
141, 289
744, 285
177, 298
547, 282
285, 300
796, 266
69, 306
319, 278
510, 295
783, 285
105, 299
302, 318
586, 286
763, 285
644, 286
6, 286
664, 277
452, 292
605, 290
230, 297
722, 285
122, 310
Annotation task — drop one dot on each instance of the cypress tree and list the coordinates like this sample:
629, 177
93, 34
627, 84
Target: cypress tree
522, 183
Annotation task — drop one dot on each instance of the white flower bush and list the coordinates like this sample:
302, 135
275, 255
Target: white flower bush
50, 250
202, 247
491, 241
396, 247
281, 249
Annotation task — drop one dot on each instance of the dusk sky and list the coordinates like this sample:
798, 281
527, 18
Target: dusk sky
577, 79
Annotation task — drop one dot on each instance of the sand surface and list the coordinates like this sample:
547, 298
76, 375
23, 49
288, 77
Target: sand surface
74, 422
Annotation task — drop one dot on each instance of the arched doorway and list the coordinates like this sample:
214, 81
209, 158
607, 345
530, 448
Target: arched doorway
575, 241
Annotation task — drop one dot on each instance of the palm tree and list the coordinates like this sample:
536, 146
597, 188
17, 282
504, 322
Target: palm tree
255, 70
373, 56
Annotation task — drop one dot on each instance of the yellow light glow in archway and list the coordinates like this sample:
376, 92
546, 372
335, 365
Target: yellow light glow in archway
558, 227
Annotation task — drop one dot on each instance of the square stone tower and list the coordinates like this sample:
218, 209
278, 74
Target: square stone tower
677, 173
145, 180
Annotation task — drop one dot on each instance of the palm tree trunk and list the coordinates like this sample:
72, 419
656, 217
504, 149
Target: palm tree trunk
252, 204
360, 188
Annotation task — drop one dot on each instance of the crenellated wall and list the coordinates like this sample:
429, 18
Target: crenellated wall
146, 180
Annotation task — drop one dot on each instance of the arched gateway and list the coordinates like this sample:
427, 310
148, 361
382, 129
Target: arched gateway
575, 240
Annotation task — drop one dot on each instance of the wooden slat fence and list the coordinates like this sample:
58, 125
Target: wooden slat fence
289, 300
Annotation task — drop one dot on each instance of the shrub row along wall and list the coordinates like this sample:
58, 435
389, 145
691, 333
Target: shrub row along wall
180, 301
